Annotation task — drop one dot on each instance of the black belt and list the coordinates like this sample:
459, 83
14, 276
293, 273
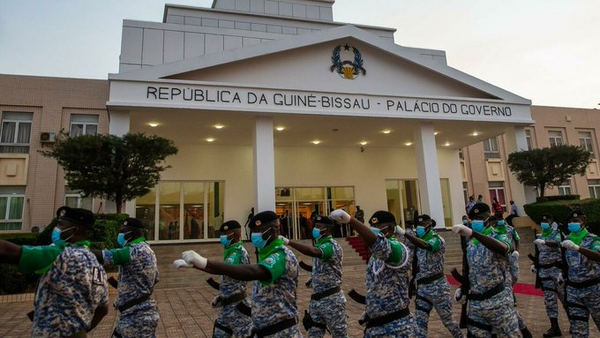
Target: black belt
133, 303
273, 329
584, 284
555, 264
430, 279
488, 294
329, 292
390, 317
233, 299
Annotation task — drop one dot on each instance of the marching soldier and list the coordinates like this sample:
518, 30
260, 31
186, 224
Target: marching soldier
72, 295
549, 262
328, 304
491, 307
387, 313
274, 308
138, 314
582, 256
433, 290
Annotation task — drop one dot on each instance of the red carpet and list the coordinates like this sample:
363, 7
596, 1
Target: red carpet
523, 289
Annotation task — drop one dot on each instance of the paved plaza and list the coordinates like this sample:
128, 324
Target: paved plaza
186, 312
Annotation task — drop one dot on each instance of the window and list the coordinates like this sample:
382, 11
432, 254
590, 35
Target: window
11, 208
556, 138
594, 186
75, 199
490, 148
496, 190
16, 132
564, 188
586, 142
83, 125
529, 139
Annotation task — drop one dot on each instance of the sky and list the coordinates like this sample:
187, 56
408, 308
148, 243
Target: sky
547, 51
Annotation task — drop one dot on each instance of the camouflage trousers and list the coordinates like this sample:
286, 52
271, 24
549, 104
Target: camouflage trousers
496, 314
229, 317
400, 328
513, 268
138, 321
581, 303
292, 332
330, 311
552, 290
435, 295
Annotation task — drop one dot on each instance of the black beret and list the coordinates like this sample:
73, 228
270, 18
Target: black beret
76, 215
323, 220
263, 217
425, 218
576, 214
230, 225
134, 223
477, 209
546, 217
382, 217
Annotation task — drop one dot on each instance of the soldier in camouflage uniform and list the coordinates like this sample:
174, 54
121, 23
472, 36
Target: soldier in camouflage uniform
548, 268
328, 304
274, 308
491, 306
138, 314
433, 290
387, 313
72, 295
583, 281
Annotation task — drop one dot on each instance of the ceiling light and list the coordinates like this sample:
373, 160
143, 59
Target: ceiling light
153, 124
475, 133
408, 144
280, 128
436, 132
387, 131
364, 143
219, 126
447, 144
316, 142
210, 139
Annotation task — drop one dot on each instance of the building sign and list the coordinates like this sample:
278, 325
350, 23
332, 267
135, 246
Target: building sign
211, 97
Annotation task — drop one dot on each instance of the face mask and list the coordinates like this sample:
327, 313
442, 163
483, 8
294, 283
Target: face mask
121, 238
376, 231
545, 226
420, 231
316, 233
478, 225
501, 223
225, 240
258, 240
56, 236
465, 222
575, 227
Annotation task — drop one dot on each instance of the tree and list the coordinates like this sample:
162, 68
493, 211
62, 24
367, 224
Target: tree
116, 168
547, 167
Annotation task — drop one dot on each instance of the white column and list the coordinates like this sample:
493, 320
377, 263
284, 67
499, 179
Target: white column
429, 177
264, 164
516, 141
118, 125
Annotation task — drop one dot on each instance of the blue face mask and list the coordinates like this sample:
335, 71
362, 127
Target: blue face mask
56, 236
258, 240
225, 240
545, 226
377, 231
121, 238
420, 231
316, 233
478, 225
574, 227
501, 223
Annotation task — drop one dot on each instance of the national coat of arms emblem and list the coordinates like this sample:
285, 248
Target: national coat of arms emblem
347, 69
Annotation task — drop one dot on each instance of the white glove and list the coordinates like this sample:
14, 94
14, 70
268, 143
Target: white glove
533, 269
399, 231
180, 263
216, 302
560, 279
462, 230
192, 257
340, 216
458, 296
515, 254
569, 245
539, 242
285, 240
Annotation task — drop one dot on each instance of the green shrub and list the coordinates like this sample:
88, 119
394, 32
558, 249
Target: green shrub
562, 209
20, 238
14, 281
557, 198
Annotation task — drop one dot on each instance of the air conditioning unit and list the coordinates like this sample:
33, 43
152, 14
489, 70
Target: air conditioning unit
47, 137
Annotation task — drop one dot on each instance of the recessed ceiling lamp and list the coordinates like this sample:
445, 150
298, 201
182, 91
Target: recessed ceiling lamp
153, 124
475, 133
219, 126
316, 142
364, 143
386, 131
210, 139
408, 144
280, 128
447, 144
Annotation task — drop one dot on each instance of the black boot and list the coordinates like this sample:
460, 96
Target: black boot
526, 333
554, 330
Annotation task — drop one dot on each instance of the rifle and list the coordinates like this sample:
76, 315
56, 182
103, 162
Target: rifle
464, 282
412, 287
536, 262
564, 268
213, 283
